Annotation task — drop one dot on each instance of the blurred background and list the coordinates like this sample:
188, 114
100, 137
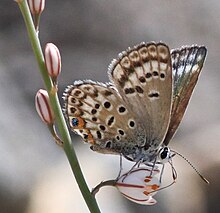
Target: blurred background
34, 173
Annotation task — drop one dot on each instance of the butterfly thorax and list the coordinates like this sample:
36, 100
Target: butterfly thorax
131, 150
142, 155
161, 155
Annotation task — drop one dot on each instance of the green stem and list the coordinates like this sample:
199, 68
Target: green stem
60, 121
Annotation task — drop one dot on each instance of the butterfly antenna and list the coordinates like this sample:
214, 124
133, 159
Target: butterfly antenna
120, 170
200, 175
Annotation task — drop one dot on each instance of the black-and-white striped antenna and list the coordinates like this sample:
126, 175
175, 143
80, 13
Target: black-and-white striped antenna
200, 175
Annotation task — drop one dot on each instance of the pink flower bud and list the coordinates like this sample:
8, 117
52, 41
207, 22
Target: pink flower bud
53, 60
43, 108
139, 185
36, 6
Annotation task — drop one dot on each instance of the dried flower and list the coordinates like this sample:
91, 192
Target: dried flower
140, 185
43, 107
52, 60
36, 6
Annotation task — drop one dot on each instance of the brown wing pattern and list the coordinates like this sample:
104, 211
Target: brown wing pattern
143, 78
96, 112
187, 63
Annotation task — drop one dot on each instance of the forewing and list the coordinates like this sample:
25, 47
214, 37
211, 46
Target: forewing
97, 113
143, 78
187, 63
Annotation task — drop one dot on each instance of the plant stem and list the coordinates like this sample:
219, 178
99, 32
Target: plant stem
103, 183
60, 121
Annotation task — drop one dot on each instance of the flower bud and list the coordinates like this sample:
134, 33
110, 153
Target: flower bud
139, 185
36, 6
42, 104
52, 60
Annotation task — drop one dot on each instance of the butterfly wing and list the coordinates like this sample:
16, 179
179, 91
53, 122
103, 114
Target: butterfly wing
143, 78
132, 112
97, 113
187, 63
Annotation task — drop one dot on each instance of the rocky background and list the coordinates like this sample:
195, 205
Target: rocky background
34, 172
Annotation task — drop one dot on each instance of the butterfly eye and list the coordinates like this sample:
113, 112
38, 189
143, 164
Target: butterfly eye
164, 154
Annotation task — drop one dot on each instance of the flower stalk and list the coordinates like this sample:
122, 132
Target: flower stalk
59, 118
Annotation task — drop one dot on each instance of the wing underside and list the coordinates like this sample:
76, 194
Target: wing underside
187, 63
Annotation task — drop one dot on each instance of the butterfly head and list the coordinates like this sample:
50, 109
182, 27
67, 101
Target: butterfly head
164, 154
161, 155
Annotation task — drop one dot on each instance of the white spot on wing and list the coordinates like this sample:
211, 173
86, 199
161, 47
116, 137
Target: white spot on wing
154, 65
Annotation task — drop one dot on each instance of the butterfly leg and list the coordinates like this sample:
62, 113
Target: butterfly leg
174, 173
113, 182
109, 182
121, 168
152, 165
162, 170
137, 164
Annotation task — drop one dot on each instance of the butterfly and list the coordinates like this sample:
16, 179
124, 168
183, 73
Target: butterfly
139, 111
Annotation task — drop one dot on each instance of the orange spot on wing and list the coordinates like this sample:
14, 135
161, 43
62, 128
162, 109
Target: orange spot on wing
81, 126
90, 138
81, 123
